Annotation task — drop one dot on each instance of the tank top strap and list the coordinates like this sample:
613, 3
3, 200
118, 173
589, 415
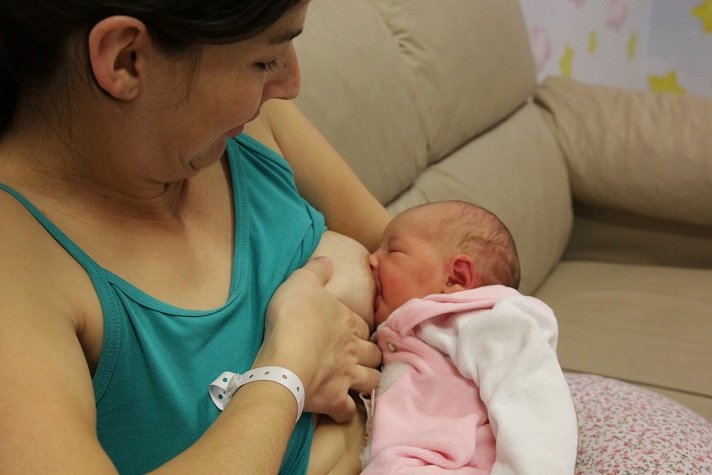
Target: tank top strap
99, 277
75, 251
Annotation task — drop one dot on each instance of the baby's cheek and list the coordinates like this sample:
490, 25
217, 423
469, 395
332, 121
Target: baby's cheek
398, 292
381, 315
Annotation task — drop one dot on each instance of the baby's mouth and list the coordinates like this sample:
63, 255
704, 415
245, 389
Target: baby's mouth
377, 296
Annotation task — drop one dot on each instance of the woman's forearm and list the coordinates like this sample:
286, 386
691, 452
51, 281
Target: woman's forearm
249, 437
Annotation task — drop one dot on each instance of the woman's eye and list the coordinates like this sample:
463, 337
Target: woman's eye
270, 66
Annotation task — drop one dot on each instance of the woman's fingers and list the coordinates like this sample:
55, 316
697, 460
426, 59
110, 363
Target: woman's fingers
365, 375
321, 267
361, 329
365, 379
368, 354
345, 410
324, 341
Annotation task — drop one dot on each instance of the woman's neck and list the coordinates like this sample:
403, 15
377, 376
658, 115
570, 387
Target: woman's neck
46, 168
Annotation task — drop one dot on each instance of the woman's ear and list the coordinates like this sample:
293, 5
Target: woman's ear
116, 55
461, 273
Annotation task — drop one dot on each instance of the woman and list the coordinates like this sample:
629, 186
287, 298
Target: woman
142, 244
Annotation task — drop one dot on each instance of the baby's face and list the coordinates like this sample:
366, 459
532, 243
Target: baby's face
408, 264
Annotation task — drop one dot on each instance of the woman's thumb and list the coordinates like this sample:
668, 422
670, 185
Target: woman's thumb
321, 266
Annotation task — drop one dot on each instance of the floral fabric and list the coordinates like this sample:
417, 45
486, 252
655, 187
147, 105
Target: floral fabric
625, 430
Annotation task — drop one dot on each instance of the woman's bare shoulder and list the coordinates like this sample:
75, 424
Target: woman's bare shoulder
43, 279
261, 130
47, 391
324, 178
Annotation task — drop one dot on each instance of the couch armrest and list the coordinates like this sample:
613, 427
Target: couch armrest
639, 152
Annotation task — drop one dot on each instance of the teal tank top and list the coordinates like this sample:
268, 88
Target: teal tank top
157, 361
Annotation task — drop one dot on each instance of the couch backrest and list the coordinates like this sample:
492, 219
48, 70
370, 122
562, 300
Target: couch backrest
429, 100
470, 60
410, 80
357, 89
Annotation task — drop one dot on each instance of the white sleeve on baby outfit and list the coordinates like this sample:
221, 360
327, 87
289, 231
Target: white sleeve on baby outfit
510, 353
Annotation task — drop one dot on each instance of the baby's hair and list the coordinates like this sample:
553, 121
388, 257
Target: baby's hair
473, 230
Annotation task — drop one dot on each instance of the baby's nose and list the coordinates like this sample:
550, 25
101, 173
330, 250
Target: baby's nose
373, 261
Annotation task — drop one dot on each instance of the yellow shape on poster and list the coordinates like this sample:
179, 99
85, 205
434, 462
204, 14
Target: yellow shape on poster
632, 46
592, 42
703, 11
667, 83
566, 63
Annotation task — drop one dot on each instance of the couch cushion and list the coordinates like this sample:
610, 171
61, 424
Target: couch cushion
373, 124
615, 236
471, 62
644, 324
640, 152
516, 170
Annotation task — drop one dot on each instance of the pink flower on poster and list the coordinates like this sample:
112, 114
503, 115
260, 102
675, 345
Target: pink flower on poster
541, 45
617, 14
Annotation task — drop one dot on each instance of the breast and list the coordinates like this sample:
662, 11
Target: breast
351, 282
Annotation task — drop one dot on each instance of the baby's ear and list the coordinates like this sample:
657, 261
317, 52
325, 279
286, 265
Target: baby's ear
461, 273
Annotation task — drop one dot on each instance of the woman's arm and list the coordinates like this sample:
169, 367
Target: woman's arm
327, 182
251, 434
324, 178
47, 406
322, 175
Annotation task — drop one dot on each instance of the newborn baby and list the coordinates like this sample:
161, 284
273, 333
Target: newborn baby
470, 377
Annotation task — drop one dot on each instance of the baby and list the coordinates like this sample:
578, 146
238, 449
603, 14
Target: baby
471, 382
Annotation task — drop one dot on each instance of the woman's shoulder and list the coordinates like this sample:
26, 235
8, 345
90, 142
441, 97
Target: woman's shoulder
44, 340
22, 238
279, 125
34, 264
261, 129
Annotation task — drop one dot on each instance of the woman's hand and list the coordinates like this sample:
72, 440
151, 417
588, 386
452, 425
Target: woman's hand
313, 334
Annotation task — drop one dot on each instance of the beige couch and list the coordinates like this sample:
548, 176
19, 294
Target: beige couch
607, 193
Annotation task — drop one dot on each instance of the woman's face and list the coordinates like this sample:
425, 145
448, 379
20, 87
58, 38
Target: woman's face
193, 121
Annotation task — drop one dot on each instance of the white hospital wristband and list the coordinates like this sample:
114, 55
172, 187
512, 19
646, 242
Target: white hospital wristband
224, 387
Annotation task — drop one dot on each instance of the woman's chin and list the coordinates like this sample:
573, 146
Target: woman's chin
209, 157
235, 132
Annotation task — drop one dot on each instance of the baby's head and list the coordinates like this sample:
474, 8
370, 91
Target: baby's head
441, 247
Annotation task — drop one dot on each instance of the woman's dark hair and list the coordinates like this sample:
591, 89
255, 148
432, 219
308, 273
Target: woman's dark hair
34, 34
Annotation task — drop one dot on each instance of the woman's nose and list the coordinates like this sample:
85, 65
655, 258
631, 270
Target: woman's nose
285, 81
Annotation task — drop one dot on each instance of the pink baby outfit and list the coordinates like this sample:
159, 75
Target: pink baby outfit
471, 385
